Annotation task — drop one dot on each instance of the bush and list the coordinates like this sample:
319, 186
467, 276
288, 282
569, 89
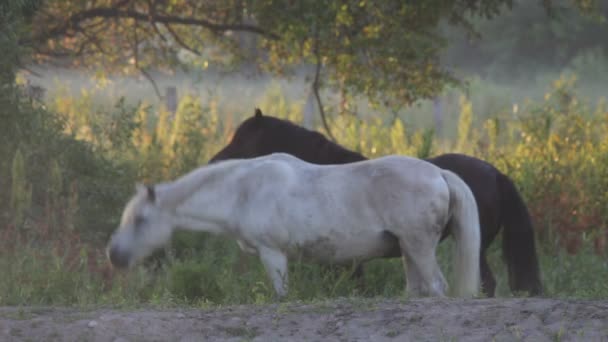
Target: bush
561, 165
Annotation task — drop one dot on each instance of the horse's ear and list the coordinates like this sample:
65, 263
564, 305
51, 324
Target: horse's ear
150, 191
258, 113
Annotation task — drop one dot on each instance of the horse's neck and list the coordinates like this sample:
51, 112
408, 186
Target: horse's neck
200, 199
332, 153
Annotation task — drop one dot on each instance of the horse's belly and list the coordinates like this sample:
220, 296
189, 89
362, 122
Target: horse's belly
345, 249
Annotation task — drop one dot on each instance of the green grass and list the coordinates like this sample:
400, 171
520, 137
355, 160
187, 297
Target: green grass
219, 276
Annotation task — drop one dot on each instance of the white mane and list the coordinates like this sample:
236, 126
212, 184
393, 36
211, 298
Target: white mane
175, 192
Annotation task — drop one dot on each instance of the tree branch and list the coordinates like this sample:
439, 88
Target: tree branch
93, 39
151, 80
180, 42
315, 87
116, 13
152, 10
26, 68
138, 67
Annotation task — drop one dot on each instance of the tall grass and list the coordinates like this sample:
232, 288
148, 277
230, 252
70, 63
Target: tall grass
555, 149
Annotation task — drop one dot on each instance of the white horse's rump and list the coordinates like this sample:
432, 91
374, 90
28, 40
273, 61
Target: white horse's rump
278, 207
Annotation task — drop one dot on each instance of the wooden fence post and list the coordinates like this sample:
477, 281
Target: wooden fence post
171, 99
35, 92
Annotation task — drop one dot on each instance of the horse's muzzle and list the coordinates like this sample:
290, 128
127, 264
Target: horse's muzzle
118, 257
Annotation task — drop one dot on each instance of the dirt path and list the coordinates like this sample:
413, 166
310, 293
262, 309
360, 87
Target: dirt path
341, 320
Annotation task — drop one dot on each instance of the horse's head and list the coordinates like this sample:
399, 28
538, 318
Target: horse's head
248, 139
144, 227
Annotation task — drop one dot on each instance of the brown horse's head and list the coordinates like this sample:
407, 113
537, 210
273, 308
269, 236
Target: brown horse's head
246, 141
261, 135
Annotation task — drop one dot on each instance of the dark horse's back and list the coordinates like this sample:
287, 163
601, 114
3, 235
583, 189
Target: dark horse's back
498, 201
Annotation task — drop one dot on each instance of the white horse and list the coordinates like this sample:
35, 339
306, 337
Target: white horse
280, 207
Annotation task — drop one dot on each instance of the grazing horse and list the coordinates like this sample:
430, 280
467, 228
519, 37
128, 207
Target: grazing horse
280, 207
498, 201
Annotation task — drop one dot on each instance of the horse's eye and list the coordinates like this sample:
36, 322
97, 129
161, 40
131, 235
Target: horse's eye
139, 220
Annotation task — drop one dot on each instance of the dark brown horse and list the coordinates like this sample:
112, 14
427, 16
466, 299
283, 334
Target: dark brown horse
499, 203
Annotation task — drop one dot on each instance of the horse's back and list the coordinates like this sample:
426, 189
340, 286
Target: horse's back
392, 170
403, 170
340, 212
463, 165
478, 174
384, 175
389, 187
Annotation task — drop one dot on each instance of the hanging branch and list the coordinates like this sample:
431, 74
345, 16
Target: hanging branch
117, 13
152, 20
180, 42
315, 83
140, 68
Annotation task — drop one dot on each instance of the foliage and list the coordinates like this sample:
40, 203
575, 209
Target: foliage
563, 165
14, 17
41, 165
387, 51
21, 191
528, 39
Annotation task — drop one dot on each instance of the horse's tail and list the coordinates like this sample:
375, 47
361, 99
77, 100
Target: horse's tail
518, 245
464, 225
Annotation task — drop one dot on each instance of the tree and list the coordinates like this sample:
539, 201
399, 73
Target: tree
387, 50
518, 44
36, 152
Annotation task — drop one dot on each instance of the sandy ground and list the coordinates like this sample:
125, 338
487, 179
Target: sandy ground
340, 320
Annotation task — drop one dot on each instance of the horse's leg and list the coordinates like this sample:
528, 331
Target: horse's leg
489, 230
423, 276
413, 280
357, 276
275, 264
488, 282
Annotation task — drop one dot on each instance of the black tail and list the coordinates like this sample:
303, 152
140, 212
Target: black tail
519, 250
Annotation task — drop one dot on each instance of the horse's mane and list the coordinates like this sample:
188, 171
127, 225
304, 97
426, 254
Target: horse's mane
259, 119
326, 151
184, 186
